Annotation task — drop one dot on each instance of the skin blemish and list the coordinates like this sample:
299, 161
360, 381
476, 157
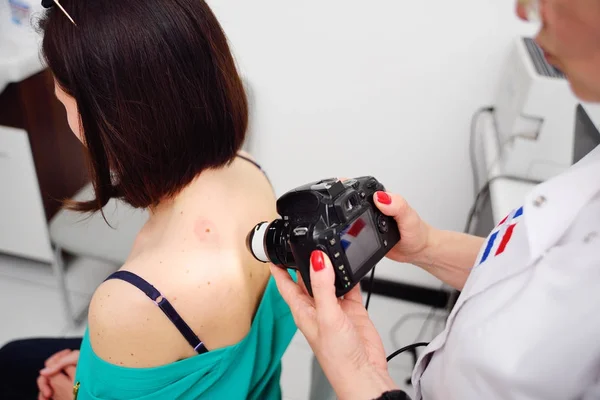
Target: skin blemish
204, 230
208, 283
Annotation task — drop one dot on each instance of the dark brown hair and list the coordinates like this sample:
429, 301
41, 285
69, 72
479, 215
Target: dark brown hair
159, 96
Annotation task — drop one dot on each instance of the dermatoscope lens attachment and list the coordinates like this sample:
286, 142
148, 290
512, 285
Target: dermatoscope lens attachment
268, 243
255, 242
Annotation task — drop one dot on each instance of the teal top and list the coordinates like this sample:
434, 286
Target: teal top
250, 369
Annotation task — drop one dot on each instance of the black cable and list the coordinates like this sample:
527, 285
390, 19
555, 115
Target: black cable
406, 348
370, 288
472, 147
475, 208
404, 319
485, 191
472, 213
425, 324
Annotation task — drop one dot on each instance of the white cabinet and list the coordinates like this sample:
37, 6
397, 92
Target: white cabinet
23, 226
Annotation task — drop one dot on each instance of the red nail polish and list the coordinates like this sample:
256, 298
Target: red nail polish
317, 260
384, 198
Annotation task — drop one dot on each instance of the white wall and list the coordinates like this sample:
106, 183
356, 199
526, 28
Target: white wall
384, 88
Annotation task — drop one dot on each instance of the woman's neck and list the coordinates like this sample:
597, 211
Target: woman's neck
170, 206
197, 191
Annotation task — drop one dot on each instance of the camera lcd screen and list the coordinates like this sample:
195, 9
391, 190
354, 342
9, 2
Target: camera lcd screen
359, 241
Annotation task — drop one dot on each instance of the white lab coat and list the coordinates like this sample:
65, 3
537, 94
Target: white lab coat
527, 324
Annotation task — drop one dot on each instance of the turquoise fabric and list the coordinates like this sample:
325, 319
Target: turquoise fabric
250, 369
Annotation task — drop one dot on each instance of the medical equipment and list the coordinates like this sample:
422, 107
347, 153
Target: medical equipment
534, 111
338, 218
494, 202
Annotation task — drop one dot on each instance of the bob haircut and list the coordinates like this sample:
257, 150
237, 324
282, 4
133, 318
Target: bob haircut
159, 96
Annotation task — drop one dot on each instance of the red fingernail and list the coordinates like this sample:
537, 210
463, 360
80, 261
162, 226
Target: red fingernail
317, 261
384, 198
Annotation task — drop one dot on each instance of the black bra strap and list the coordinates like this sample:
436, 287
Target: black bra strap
251, 161
164, 305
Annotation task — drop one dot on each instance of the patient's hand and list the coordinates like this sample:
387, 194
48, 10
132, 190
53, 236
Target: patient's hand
63, 360
61, 363
62, 384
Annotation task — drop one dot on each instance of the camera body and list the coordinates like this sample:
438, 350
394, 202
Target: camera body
338, 218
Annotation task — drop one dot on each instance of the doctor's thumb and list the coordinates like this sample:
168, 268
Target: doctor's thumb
392, 205
322, 282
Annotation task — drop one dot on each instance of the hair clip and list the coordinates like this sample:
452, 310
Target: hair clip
50, 3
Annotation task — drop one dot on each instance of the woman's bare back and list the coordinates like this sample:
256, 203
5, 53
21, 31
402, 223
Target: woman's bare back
193, 251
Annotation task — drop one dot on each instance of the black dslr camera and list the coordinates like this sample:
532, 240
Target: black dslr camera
339, 218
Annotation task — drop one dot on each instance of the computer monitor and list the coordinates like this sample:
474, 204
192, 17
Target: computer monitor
586, 137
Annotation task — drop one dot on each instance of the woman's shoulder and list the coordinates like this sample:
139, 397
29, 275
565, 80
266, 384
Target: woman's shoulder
248, 361
128, 329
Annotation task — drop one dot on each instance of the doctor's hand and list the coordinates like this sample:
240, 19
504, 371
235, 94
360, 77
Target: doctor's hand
339, 331
415, 234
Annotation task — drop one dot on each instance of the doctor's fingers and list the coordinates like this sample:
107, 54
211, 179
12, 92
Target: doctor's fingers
392, 205
322, 282
301, 304
354, 295
302, 285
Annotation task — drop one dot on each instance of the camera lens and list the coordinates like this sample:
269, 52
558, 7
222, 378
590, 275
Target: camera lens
255, 242
268, 242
